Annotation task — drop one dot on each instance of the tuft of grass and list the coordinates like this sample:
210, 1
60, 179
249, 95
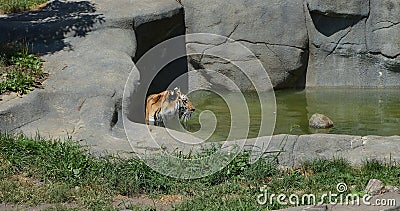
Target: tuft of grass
65, 175
13, 6
20, 71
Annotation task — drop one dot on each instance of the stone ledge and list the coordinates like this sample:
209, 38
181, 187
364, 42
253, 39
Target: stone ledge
355, 149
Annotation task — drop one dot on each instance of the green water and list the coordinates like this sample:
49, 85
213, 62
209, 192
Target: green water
353, 111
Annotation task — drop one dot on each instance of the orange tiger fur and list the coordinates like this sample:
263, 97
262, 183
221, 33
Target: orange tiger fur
168, 103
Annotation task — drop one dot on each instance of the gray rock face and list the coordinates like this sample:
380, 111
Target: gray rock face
258, 26
382, 28
320, 121
355, 149
353, 43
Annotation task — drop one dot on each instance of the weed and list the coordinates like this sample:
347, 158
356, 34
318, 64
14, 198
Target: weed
20, 70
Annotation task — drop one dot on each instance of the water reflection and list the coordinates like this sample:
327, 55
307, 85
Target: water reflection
358, 111
353, 111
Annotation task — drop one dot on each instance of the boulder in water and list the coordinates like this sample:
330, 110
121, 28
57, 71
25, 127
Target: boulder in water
320, 121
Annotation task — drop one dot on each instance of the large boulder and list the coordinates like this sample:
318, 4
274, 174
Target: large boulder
273, 30
353, 43
320, 121
89, 57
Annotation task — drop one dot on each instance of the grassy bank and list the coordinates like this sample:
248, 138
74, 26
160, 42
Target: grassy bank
12, 6
66, 176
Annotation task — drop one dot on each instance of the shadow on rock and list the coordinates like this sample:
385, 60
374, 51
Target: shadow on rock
46, 28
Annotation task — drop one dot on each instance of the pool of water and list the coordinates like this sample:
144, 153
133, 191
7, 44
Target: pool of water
353, 111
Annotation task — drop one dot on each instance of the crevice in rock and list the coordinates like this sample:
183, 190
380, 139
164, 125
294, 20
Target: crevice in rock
297, 77
347, 43
114, 118
25, 123
386, 27
315, 45
337, 43
390, 63
382, 54
328, 26
387, 21
276, 55
215, 23
271, 44
336, 14
219, 44
196, 64
204, 51
81, 105
293, 148
231, 33
305, 24
366, 26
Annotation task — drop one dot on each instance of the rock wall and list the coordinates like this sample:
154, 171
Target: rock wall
274, 30
304, 42
353, 43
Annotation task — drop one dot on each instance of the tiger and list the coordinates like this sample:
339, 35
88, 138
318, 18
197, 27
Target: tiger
168, 104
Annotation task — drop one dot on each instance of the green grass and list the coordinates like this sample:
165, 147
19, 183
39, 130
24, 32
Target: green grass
64, 174
20, 71
13, 6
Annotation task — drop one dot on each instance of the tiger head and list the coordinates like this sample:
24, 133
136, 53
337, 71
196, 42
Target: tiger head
186, 109
170, 105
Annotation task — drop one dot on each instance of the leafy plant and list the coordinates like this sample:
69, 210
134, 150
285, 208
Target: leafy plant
17, 81
27, 61
20, 70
